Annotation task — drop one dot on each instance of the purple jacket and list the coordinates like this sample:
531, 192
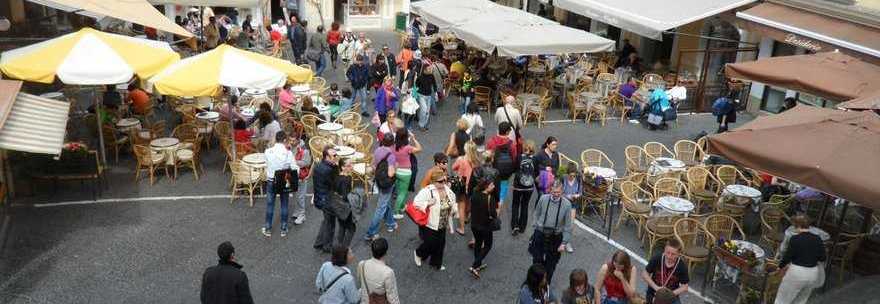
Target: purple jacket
382, 106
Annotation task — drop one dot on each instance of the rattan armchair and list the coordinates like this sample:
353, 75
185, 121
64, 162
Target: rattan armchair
635, 160
576, 108
537, 111
636, 205
846, 250
728, 175
671, 187
598, 110
483, 97
595, 158
771, 235
310, 122
243, 179
657, 229
700, 184
114, 141
720, 225
694, 244
687, 152
188, 158
147, 160
655, 149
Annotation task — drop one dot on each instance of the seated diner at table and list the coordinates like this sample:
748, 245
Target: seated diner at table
263, 108
242, 133
285, 97
268, 127
229, 111
308, 107
138, 99
627, 90
111, 96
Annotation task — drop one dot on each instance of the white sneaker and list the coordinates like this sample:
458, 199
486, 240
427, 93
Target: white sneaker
398, 216
299, 220
417, 259
265, 232
442, 268
569, 248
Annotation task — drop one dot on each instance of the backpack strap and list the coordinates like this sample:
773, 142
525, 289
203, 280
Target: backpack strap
334, 281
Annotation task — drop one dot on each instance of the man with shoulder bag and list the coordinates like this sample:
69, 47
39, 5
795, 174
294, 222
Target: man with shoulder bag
552, 229
323, 180
282, 168
378, 282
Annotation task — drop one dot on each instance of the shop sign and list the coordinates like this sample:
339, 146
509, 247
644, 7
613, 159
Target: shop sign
803, 42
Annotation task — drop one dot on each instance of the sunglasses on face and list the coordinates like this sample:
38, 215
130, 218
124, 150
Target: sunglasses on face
442, 181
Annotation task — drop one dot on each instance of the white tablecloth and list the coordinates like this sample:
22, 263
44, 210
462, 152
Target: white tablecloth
670, 205
607, 173
128, 124
167, 146
208, 116
344, 151
662, 165
746, 192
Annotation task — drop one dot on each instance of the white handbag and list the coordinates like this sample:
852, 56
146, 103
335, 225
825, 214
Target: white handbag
409, 105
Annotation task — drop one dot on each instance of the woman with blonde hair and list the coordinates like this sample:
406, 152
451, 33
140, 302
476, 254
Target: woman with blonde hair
457, 139
523, 186
464, 168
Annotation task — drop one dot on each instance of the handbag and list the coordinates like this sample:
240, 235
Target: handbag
373, 298
655, 119
410, 106
313, 54
418, 216
452, 150
494, 222
284, 181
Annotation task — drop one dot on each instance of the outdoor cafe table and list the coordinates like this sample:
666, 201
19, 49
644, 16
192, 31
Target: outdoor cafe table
329, 128
166, 146
607, 173
744, 192
209, 116
670, 205
662, 165
256, 162
128, 124
344, 151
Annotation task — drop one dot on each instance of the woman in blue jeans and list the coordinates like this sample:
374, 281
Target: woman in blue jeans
384, 208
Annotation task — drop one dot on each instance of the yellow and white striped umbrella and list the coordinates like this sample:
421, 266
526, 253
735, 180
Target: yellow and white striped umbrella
203, 74
88, 57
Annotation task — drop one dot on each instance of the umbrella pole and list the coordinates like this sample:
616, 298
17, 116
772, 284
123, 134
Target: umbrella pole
100, 128
834, 244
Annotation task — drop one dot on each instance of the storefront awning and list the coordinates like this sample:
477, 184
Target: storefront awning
831, 75
511, 32
222, 3
648, 18
35, 125
816, 32
134, 11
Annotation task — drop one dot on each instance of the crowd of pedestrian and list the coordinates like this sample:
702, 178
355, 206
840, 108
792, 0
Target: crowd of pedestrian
468, 186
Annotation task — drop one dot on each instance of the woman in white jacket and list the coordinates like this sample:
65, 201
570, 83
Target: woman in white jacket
439, 201
346, 47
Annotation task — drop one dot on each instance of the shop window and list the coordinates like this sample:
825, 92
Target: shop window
363, 8
774, 98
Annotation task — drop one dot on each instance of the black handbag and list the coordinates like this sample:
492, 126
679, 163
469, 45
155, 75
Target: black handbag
285, 181
494, 222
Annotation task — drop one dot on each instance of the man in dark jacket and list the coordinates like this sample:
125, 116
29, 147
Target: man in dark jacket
225, 283
323, 177
390, 61
358, 75
297, 36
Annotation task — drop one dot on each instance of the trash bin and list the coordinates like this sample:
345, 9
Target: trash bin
400, 22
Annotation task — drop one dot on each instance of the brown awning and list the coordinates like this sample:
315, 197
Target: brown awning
8, 91
134, 11
815, 32
867, 102
830, 150
832, 75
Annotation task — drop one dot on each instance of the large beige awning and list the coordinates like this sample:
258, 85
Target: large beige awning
134, 11
35, 125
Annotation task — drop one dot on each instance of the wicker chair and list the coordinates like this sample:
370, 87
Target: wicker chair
702, 147
695, 248
316, 146
779, 202
732, 206
111, 140
538, 111
635, 160
188, 158
636, 205
147, 160
350, 120
720, 225
659, 228
687, 152
671, 187
575, 107
310, 122
698, 180
846, 250
771, 235
243, 180
728, 175
599, 110
655, 149
483, 97
595, 158
187, 133
564, 160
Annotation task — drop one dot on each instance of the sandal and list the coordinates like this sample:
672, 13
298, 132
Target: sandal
475, 273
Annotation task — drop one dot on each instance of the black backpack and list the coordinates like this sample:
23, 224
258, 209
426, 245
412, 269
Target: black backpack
526, 175
504, 162
383, 181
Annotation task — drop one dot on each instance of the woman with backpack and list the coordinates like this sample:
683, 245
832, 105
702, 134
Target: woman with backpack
523, 186
383, 162
464, 168
405, 146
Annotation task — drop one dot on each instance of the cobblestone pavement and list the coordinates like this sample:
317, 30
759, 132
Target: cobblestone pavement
149, 244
